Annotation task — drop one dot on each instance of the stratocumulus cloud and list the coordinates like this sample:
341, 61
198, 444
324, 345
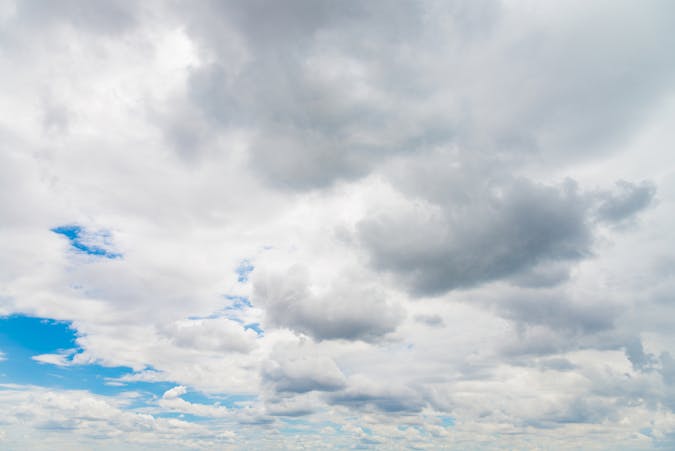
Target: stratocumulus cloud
316, 224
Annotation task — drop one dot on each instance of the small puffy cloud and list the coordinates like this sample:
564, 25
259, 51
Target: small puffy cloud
175, 392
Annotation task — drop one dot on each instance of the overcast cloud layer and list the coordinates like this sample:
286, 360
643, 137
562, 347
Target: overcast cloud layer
319, 224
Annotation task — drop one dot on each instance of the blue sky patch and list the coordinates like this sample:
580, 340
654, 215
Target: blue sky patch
238, 302
244, 269
37, 335
255, 327
23, 337
92, 243
447, 421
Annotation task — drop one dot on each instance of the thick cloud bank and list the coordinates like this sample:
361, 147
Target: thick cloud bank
321, 224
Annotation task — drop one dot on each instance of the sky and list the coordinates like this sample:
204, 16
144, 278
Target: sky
337, 225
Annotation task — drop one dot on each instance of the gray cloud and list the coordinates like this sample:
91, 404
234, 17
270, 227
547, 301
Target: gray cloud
365, 394
302, 375
430, 320
331, 90
667, 368
557, 364
544, 275
640, 360
324, 87
346, 312
557, 311
626, 201
434, 136
508, 231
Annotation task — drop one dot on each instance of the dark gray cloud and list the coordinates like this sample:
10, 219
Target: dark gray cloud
347, 312
434, 135
628, 199
544, 275
467, 232
509, 231
330, 90
640, 360
324, 87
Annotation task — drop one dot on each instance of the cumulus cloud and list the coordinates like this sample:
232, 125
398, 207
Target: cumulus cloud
211, 334
628, 199
459, 214
304, 374
343, 312
368, 394
508, 231
174, 392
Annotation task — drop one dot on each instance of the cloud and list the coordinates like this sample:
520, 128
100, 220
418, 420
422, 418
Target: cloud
175, 392
508, 231
430, 320
171, 401
62, 359
628, 199
363, 393
427, 190
344, 312
558, 311
304, 374
216, 334
112, 18
86, 418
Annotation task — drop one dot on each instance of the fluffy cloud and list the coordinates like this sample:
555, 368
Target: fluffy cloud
218, 334
504, 233
454, 218
343, 312
304, 375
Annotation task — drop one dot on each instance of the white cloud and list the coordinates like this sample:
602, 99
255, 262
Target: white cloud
453, 209
61, 359
175, 392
